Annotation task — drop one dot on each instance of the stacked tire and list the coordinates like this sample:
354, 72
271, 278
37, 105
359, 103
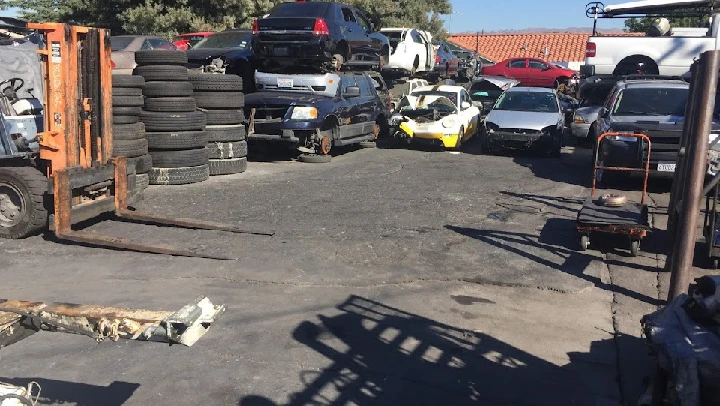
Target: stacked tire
175, 130
128, 132
222, 100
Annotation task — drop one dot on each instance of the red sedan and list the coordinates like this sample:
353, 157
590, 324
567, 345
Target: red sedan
531, 72
187, 41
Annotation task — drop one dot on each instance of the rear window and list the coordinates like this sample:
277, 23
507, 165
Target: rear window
120, 43
594, 96
299, 10
651, 101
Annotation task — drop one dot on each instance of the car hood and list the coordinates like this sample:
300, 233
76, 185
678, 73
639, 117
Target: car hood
204, 54
493, 83
281, 98
522, 119
588, 111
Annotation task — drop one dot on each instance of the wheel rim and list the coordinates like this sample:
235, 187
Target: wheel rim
325, 145
12, 205
376, 131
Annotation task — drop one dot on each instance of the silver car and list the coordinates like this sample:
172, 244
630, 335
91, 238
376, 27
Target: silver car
526, 118
592, 98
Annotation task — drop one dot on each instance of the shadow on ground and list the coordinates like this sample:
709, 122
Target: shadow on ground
380, 355
55, 392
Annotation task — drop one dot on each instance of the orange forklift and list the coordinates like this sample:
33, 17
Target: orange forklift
70, 175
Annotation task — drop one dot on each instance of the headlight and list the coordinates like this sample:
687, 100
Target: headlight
577, 118
491, 127
448, 122
304, 113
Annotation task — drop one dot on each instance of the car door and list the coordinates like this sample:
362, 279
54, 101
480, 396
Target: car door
536, 73
368, 103
516, 69
371, 47
471, 115
427, 59
351, 121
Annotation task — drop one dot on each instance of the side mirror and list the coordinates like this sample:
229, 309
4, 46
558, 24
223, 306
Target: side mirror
465, 105
352, 91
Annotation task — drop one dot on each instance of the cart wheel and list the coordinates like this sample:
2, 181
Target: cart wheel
634, 247
584, 242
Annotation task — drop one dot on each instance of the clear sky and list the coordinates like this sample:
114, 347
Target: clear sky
493, 15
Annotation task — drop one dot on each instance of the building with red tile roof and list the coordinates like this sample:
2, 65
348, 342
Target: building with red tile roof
556, 47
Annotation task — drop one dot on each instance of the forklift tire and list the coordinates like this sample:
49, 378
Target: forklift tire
224, 117
227, 150
126, 111
208, 82
220, 100
142, 164
170, 104
227, 166
127, 101
167, 89
160, 57
130, 148
178, 140
24, 186
127, 91
179, 159
226, 133
161, 73
155, 121
127, 81
179, 176
125, 120
134, 131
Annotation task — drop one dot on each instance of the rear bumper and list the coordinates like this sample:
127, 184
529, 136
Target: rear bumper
626, 155
315, 50
580, 130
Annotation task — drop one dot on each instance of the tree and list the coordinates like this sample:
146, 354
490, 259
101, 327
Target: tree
169, 17
676, 19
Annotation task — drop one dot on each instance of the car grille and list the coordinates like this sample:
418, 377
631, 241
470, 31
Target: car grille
665, 145
297, 88
519, 131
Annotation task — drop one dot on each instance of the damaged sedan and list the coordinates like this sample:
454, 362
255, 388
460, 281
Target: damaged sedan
485, 91
438, 115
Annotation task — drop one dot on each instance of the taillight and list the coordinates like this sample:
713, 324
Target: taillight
437, 58
321, 28
590, 50
255, 27
112, 64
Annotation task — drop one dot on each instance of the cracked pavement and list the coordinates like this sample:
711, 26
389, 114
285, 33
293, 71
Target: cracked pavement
395, 277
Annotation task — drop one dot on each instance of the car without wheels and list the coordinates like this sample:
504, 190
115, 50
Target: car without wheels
225, 52
315, 112
526, 118
317, 34
411, 51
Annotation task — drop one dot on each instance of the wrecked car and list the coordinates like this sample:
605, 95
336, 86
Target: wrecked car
485, 91
439, 115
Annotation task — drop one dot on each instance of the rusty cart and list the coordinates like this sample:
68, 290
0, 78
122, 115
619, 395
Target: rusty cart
629, 218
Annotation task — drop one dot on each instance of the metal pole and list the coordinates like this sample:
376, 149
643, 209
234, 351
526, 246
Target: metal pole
697, 161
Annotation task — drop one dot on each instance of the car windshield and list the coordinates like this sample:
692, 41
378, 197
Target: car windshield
651, 101
120, 43
235, 39
540, 102
299, 10
452, 96
594, 96
394, 37
427, 102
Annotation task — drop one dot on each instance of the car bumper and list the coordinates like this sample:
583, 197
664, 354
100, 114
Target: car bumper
314, 50
626, 155
580, 130
517, 141
447, 137
281, 130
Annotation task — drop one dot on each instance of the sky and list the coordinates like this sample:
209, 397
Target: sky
493, 15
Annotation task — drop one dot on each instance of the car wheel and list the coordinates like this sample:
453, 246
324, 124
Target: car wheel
458, 145
314, 158
337, 62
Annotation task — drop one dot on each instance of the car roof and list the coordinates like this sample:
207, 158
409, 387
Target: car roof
530, 89
396, 29
439, 88
665, 83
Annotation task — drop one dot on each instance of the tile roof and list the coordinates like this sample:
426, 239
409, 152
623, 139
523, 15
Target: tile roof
561, 47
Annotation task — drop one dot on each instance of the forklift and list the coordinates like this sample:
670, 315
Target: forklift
64, 173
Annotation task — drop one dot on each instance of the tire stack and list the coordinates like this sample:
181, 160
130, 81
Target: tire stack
221, 98
175, 130
128, 132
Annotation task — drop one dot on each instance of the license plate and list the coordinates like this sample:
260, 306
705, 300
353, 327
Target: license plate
283, 83
666, 167
281, 51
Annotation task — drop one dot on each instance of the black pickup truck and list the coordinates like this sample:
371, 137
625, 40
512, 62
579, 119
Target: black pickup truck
317, 34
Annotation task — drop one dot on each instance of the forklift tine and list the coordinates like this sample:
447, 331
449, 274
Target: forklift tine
123, 244
187, 223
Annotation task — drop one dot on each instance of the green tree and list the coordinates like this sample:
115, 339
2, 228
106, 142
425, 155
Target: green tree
676, 19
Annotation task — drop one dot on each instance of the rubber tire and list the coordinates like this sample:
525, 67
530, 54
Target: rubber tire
458, 146
170, 104
167, 89
367, 144
227, 166
134, 131
227, 150
209, 82
179, 159
159, 122
178, 140
127, 91
142, 181
33, 185
162, 73
224, 117
130, 148
127, 81
120, 120
634, 248
160, 57
226, 133
142, 164
179, 176
315, 158
220, 100
127, 111
127, 101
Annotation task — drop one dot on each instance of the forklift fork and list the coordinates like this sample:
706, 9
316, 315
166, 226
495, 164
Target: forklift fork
64, 183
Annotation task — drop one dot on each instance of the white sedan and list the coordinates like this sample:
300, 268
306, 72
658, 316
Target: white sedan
437, 114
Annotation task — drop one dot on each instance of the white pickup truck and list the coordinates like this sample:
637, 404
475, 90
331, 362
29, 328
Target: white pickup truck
668, 51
